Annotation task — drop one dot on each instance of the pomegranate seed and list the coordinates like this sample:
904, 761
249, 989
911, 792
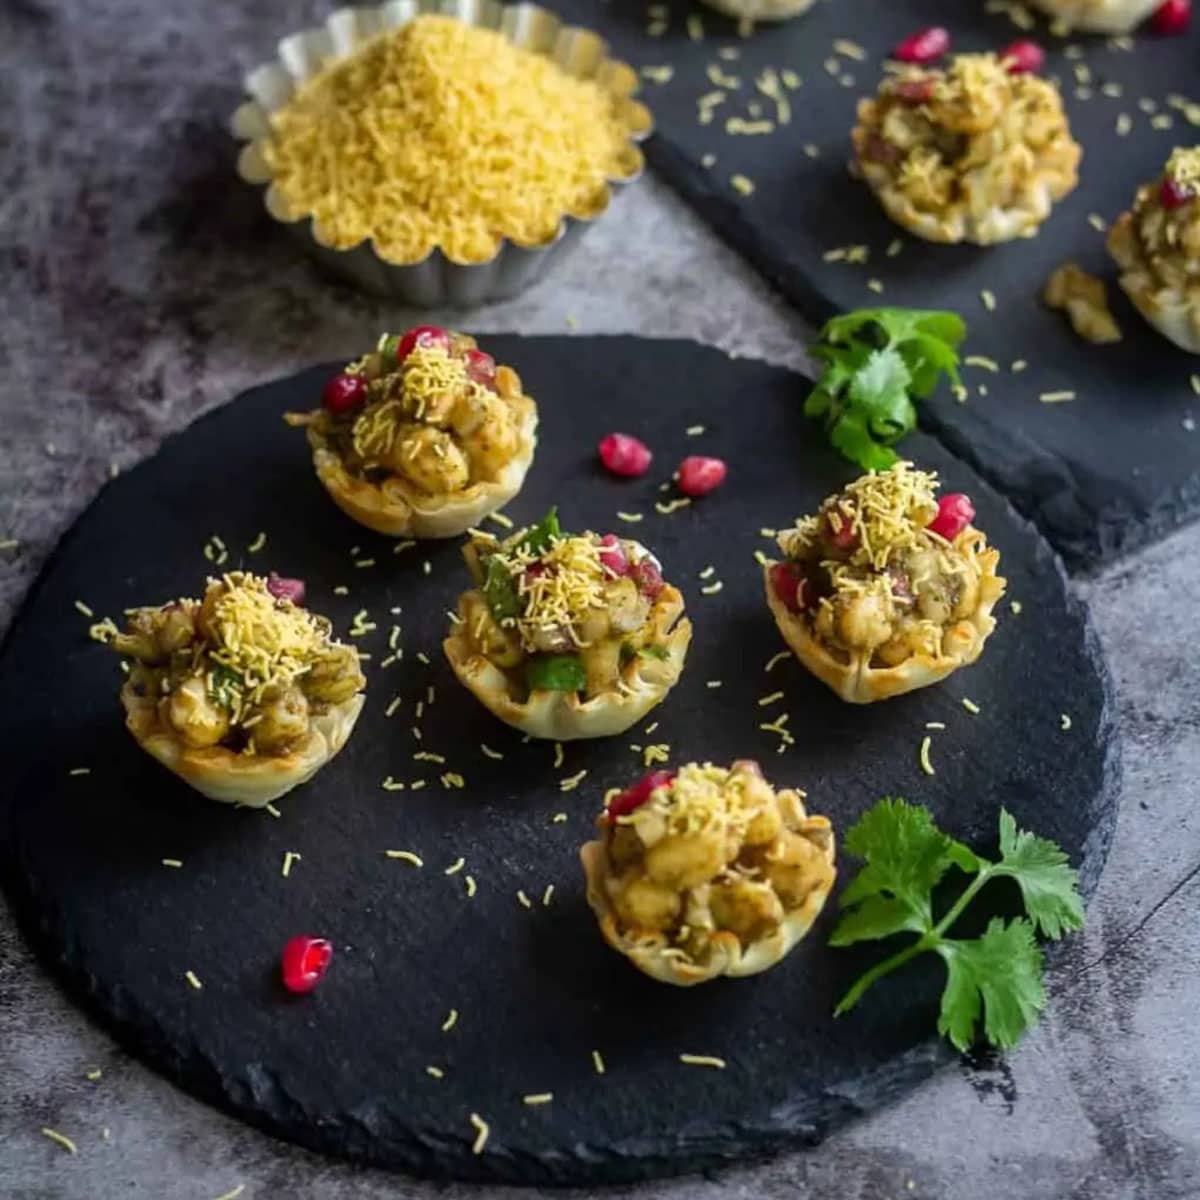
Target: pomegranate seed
699, 475
425, 336
1172, 17
634, 797
1172, 194
648, 578
786, 583
305, 960
283, 588
915, 91
344, 392
924, 46
1023, 57
843, 539
481, 368
613, 556
955, 513
879, 150
625, 455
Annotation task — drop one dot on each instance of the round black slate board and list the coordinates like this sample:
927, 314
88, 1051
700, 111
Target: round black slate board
344, 1069
1101, 475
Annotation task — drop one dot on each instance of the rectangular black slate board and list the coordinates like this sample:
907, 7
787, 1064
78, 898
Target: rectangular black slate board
1101, 475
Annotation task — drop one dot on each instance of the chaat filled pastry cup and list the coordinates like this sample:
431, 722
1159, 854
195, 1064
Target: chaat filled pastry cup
423, 437
707, 871
972, 152
567, 636
887, 589
1157, 246
1099, 16
243, 694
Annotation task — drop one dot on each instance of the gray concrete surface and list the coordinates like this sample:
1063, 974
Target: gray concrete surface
139, 287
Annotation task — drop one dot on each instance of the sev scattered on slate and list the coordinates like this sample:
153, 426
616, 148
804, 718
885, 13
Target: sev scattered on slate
443, 134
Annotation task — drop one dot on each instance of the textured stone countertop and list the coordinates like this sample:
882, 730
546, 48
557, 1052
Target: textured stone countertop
139, 286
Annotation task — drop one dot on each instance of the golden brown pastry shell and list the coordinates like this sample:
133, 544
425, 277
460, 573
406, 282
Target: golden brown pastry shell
1167, 308
563, 716
853, 678
398, 509
232, 778
727, 956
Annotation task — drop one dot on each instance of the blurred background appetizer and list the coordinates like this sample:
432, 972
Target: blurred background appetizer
761, 10
976, 151
1157, 246
1099, 16
567, 636
707, 871
243, 694
887, 588
424, 436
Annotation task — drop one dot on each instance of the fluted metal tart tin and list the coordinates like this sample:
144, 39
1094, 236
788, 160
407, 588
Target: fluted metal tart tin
435, 280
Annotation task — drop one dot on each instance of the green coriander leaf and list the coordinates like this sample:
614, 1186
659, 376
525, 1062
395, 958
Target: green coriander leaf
820, 400
850, 435
905, 856
555, 673
1000, 972
946, 327
928, 359
880, 392
1047, 881
872, 918
499, 590
539, 537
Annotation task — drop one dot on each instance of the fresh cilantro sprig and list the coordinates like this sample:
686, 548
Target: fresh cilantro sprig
998, 975
499, 587
876, 360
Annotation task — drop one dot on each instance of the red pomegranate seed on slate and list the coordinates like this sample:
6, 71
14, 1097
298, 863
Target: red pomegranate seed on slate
924, 46
1173, 194
699, 475
1023, 57
283, 588
344, 392
305, 960
1172, 17
633, 798
955, 513
625, 455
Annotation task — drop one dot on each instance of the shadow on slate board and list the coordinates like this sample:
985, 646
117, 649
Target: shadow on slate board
1100, 476
343, 1070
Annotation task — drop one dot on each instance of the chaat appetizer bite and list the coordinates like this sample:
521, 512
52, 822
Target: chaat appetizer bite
761, 10
244, 694
423, 437
567, 636
1099, 16
707, 871
976, 151
888, 588
1157, 246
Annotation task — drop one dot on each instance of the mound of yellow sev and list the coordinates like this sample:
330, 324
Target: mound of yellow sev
443, 134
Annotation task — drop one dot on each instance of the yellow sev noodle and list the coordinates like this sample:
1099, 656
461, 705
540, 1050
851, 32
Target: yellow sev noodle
442, 134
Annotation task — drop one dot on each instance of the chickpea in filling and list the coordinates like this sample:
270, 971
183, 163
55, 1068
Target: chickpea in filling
428, 407
973, 152
566, 612
243, 668
885, 569
710, 850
